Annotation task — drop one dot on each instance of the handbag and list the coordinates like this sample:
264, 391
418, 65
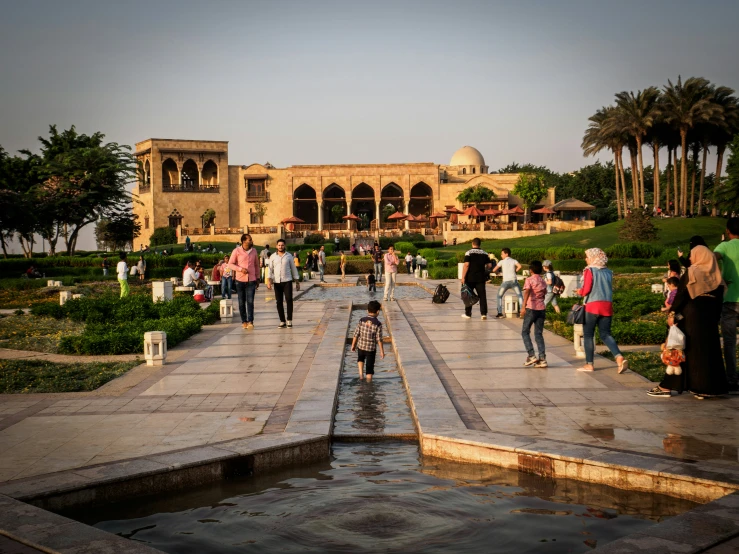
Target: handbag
468, 296
576, 315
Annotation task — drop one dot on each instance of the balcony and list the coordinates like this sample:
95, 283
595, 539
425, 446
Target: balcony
144, 188
257, 196
190, 187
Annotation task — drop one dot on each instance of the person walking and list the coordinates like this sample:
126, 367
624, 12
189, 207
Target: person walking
534, 313
408, 261
226, 278
509, 267
597, 291
342, 264
187, 243
281, 273
474, 275
122, 270
377, 259
106, 265
263, 259
141, 265
298, 265
698, 301
391, 271
727, 253
367, 339
549, 278
244, 262
322, 262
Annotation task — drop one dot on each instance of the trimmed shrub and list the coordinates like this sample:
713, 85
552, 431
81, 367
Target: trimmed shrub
315, 238
429, 253
442, 272
633, 250
429, 244
405, 247
162, 236
355, 265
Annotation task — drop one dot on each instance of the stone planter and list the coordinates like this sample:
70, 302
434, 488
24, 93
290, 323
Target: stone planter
155, 347
162, 290
572, 283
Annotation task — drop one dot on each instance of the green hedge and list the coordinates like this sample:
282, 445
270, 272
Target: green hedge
403, 248
429, 253
355, 265
632, 250
443, 272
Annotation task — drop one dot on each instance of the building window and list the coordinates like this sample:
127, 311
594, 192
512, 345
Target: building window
464, 171
146, 222
175, 219
473, 170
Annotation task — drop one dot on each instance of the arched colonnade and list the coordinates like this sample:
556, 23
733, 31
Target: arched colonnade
189, 174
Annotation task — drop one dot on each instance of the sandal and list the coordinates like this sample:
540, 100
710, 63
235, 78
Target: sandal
587, 369
624, 366
656, 391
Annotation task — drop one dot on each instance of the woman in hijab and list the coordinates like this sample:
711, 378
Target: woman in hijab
598, 292
695, 240
697, 310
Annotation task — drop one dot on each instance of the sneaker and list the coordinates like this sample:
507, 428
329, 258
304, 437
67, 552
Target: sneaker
289, 323
282, 325
500, 316
530, 360
249, 326
483, 317
699, 396
465, 316
542, 363
244, 325
656, 391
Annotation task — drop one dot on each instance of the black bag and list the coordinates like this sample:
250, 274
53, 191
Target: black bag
469, 297
441, 294
576, 315
558, 285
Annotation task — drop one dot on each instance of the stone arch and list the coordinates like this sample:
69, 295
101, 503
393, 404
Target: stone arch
190, 174
146, 174
391, 200
210, 173
421, 200
363, 205
170, 173
305, 205
175, 218
333, 196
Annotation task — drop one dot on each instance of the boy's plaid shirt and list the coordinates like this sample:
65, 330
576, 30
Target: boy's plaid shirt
368, 333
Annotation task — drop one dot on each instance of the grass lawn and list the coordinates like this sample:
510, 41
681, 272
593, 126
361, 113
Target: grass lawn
29, 376
672, 232
646, 364
10, 298
40, 334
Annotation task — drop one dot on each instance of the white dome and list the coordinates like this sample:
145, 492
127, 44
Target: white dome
467, 155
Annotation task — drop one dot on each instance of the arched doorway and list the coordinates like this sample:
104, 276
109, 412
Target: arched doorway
145, 182
305, 205
334, 207
391, 201
363, 205
170, 174
210, 173
189, 175
421, 201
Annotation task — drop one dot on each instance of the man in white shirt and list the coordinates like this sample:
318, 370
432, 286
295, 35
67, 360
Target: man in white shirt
408, 261
322, 262
122, 271
510, 267
281, 272
189, 277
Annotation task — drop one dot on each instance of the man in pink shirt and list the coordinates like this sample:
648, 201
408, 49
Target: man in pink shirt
244, 263
391, 272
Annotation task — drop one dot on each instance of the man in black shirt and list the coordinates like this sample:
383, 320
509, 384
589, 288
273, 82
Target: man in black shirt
475, 274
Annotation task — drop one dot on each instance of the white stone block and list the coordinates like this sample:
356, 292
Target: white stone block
155, 347
174, 280
511, 306
459, 270
50, 283
162, 290
64, 295
578, 341
77, 296
572, 283
425, 274
657, 289
227, 310
306, 276
526, 273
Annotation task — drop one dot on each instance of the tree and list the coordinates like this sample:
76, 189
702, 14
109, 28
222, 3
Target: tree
118, 230
259, 210
728, 191
476, 194
530, 188
686, 105
387, 211
599, 135
85, 178
162, 236
723, 131
208, 217
638, 227
337, 212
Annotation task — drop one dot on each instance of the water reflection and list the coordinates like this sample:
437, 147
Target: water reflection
361, 295
383, 497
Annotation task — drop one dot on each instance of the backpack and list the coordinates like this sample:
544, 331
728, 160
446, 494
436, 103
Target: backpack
440, 295
558, 285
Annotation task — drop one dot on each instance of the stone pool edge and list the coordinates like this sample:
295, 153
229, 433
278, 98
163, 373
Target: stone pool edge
443, 434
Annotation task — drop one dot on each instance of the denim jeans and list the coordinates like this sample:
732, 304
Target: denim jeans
729, 313
321, 269
284, 291
226, 287
378, 271
505, 286
604, 328
389, 286
550, 298
408, 267
105, 272
245, 292
535, 318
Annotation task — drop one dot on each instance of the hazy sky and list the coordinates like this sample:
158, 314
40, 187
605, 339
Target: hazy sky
348, 81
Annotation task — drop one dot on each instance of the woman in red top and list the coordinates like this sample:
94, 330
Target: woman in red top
598, 292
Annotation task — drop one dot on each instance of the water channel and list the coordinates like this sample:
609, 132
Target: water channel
377, 495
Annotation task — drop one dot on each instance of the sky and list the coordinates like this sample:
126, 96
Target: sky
320, 82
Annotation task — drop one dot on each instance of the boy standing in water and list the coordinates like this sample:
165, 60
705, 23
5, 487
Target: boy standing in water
367, 336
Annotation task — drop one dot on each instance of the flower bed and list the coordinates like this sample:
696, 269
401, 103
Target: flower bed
32, 376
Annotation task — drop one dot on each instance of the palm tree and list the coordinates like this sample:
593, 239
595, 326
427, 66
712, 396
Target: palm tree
685, 106
656, 137
722, 132
599, 136
637, 113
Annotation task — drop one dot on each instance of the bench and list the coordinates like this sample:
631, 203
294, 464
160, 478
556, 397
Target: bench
184, 289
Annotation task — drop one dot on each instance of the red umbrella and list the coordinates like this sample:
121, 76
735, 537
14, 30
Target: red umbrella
515, 210
292, 219
473, 211
491, 211
398, 216
410, 217
453, 210
545, 211
421, 218
351, 217
437, 215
